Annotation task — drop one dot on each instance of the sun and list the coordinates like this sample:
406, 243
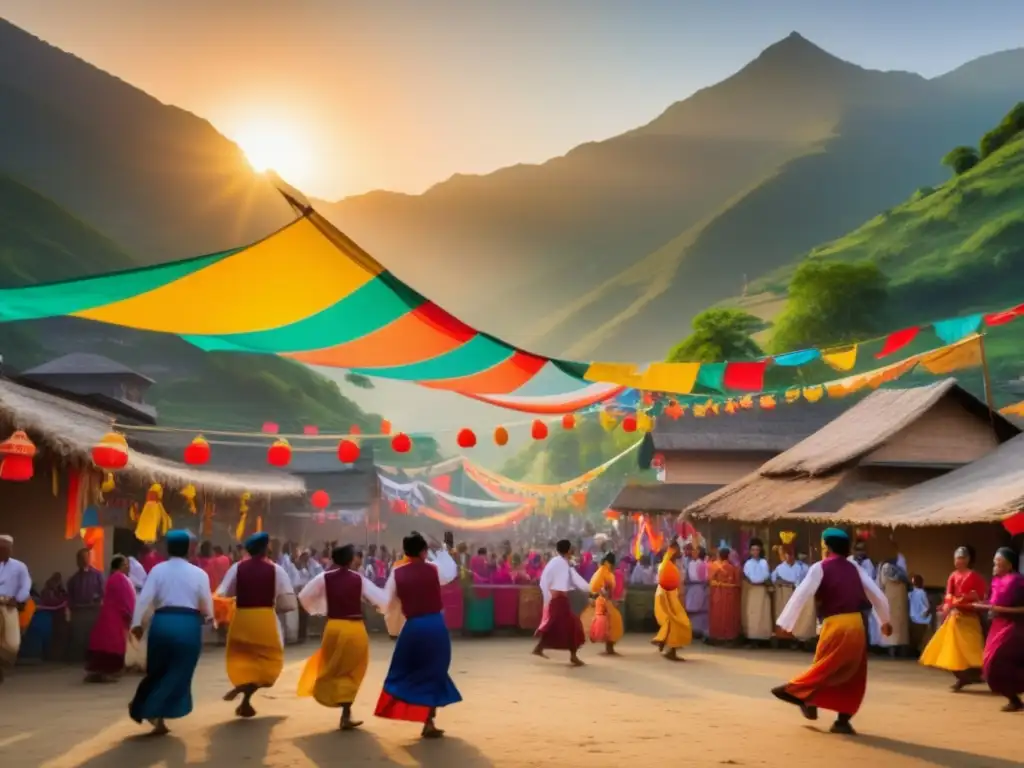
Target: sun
274, 147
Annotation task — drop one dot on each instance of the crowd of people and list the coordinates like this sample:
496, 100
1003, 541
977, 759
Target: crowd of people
155, 605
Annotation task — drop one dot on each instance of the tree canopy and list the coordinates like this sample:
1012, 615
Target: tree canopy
831, 302
961, 159
719, 334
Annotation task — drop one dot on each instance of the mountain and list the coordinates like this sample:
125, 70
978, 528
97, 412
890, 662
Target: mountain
614, 246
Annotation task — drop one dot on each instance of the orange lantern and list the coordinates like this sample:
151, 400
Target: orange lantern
400, 507
629, 424
466, 438
18, 452
500, 436
401, 443
348, 451
674, 410
198, 451
111, 453
539, 430
320, 500
568, 421
612, 514
355, 430
385, 427
280, 453
579, 499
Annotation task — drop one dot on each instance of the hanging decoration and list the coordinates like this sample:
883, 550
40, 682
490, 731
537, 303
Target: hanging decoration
629, 424
197, 452
401, 443
17, 454
569, 421
348, 451
466, 438
320, 499
243, 515
111, 452
607, 420
500, 436
280, 453
154, 521
385, 427
400, 507
188, 493
539, 430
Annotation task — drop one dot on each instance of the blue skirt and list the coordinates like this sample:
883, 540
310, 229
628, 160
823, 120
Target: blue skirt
175, 642
418, 679
35, 643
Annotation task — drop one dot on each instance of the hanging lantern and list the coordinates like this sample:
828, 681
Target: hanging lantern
111, 453
539, 430
674, 410
198, 451
385, 427
658, 461
731, 407
17, 452
747, 402
348, 451
400, 507
466, 438
644, 422
401, 443
320, 500
608, 421
280, 453
568, 421
355, 430
629, 424
612, 514
578, 499
767, 402
500, 436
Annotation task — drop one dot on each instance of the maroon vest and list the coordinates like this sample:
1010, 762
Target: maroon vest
344, 594
418, 588
841, 590
256, 584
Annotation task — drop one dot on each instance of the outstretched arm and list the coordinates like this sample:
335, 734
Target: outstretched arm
801, 595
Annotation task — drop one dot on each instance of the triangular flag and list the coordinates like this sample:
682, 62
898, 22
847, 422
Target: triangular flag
897, 340
841, 358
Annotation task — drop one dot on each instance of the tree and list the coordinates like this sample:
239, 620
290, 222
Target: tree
358, 380
719, 334
831, 302
961, 159
1007, 129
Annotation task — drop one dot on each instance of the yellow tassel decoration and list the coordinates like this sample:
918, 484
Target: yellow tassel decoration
188, 493
154, 521
108, 483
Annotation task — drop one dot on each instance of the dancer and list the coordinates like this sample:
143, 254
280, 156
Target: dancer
15, 592
418, 683
560, 629
607, 626
180, 594
108, 641
958, 645
675, 631
394, 619
1004, 650
333, 674
255, 648
837, 678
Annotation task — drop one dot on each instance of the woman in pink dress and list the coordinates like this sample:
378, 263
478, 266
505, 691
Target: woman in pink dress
1003, 664
506, 597
109, 638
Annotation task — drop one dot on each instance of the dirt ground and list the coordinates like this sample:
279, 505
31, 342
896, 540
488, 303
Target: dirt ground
518, 710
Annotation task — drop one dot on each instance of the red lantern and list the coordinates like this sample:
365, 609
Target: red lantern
466, 438
111, 453
355, 430
400, 507
279, 453
320, 500
629, 424
348, 452
401, 443
500, 436
17, 452
539, 430
385, 427
568, 421
658, 462
198, 451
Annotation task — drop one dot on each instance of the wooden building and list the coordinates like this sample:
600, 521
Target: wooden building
891, 440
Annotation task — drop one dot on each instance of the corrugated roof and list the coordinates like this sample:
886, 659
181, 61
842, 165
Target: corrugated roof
79, 363
659, 497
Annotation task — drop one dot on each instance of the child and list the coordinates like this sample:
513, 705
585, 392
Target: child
920, 615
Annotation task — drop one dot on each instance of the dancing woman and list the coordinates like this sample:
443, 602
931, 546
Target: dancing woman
1003, 663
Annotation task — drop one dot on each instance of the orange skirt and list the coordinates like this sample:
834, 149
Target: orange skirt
837, 679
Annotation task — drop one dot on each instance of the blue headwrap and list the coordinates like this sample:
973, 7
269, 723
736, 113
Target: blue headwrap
256, 541
178, 536
835, 533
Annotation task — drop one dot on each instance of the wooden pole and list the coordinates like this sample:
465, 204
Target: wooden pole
987, 378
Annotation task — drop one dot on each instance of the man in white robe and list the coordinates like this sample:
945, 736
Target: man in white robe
560, 629
758, 622
861, 560
15, 591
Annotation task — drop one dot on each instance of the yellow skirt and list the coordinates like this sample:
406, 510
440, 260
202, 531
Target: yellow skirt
334, 673
602, 621
675, 631
255, 655
957, 646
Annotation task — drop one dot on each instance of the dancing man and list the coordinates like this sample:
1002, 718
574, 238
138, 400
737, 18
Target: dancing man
837, 678
606, 626
179, 593
333, 674
560, 629
418, 682
255, 648
674, 631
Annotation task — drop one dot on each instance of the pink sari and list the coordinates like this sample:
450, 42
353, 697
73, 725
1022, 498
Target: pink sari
109, 638
506, 598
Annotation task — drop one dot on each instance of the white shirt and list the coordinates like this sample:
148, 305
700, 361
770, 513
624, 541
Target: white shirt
314, 595
15, 581
136, 573
791, 574
299, 577
282, 586
920, 608
809, 587
559, 576
447, 571
642, 575
867, 566
756, 571
175, 583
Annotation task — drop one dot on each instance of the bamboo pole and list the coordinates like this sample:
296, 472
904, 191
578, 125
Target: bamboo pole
987, 379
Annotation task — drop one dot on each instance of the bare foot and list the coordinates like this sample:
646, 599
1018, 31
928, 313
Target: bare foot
610, 653
842, 727
233, 693
245, 709
539, 652
350, 725
1013, 706
576, 662
159, 727
430, 731
673, 656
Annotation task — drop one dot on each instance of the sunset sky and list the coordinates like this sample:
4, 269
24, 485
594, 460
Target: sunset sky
400, 94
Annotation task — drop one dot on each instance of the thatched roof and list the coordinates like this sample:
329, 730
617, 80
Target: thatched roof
986, 490
794, 479
83, 364
659, 497
70, 430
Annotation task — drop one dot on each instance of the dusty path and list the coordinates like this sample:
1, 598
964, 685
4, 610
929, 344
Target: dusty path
522, 711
